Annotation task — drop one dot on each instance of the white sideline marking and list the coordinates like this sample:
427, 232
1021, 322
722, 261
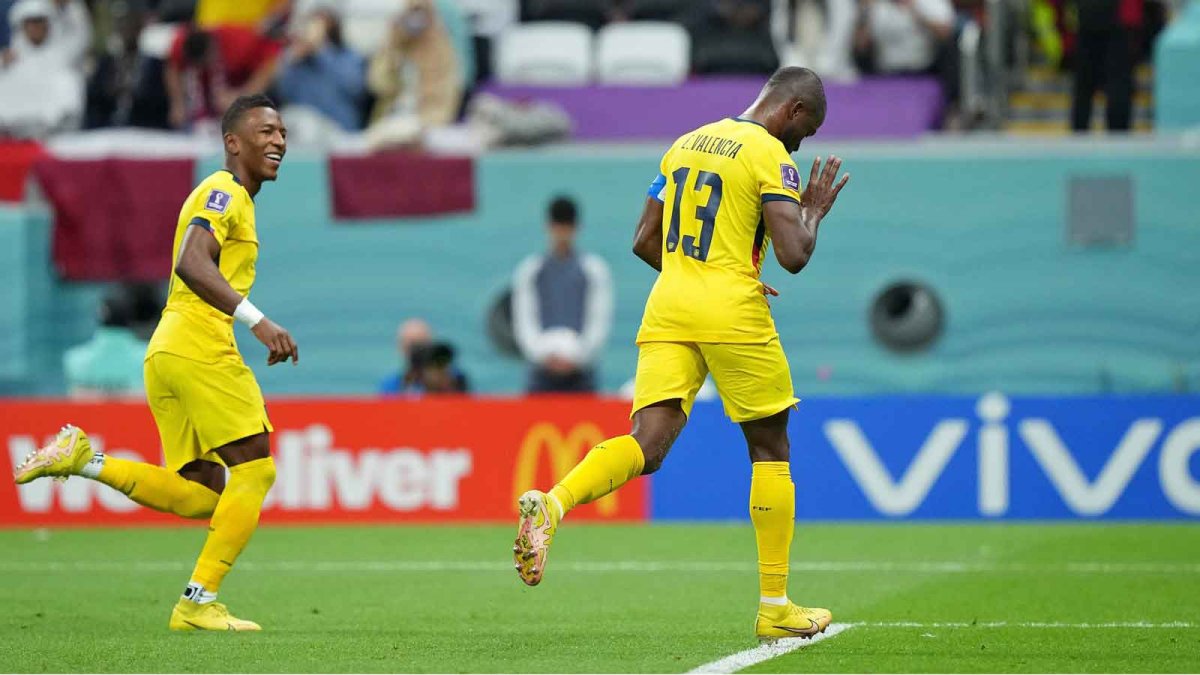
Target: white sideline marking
744, 659
1022, 624
640, 566
750, 657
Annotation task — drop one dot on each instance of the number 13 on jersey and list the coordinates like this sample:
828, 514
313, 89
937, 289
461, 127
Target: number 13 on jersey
706, 213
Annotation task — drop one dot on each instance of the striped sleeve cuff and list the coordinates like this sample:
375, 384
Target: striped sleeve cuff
201, 222
779, 198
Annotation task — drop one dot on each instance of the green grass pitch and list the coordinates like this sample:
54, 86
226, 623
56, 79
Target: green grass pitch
664, 598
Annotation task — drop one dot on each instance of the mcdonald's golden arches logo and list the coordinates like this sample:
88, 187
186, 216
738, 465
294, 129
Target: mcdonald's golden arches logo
565, 451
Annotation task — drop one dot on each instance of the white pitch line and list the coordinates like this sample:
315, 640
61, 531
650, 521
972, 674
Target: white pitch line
766, 652
1022, 624
636, 566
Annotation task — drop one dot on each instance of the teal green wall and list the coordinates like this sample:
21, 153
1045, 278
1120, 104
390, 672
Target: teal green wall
981, 222
1177, 72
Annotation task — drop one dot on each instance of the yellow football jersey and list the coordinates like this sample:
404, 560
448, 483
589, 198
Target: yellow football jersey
191, 327
713, 183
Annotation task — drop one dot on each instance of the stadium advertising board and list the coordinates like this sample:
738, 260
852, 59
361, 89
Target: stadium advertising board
988, 457
439, 459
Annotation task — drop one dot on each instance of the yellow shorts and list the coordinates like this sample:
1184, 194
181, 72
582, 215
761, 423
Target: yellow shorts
753, 379
199, 407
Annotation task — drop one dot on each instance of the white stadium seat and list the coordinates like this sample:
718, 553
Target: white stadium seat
156, 39
545, 53
643, 52
366, 23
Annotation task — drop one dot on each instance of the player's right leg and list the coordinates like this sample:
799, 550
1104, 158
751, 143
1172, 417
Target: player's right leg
668, 376
251, 475
222, 402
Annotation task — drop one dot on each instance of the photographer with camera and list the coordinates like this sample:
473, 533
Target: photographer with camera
428, 365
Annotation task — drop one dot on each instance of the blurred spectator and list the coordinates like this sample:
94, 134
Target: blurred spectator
174, 11
562, 308
118, 93
1105, 53
415, 77
41, 83
835, 58
73, 26
321, 73
594, 13
70, 29
428, 365
110, 363
435, 370
487, 18
249, 13
5, 28
733, 36
455, 20
208, 68
899, 37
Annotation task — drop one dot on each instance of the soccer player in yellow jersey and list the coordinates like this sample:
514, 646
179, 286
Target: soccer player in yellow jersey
725, 192
206, 402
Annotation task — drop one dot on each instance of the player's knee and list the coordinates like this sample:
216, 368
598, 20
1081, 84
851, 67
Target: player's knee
779, 451
264, 473
654, 444
653, 463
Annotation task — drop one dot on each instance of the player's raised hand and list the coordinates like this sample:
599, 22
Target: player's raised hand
820, 193
277, 340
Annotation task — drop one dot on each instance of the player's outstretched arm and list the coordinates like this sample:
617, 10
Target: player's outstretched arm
794, 227
647, 239
197, 268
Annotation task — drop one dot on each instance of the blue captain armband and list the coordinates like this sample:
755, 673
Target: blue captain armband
658, 188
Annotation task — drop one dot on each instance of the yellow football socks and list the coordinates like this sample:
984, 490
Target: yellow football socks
158, 488
773, 512
234, 520
606, 467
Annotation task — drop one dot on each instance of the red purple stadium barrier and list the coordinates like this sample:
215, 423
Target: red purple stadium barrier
894, 107
346, 461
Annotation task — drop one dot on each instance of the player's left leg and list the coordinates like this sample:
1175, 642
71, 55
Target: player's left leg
756, 386
773, 513
151, 485
251, 475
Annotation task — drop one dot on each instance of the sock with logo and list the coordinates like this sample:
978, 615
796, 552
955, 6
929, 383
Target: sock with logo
606, 467
233, 521
196, 592
153, 486
773, 512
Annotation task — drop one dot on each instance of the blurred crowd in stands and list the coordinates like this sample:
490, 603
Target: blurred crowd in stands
395, 67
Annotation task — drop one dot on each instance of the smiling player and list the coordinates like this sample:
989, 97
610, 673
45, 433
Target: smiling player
206, 403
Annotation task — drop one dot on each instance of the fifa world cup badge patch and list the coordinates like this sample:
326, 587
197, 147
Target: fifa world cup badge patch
790, 176
218, 201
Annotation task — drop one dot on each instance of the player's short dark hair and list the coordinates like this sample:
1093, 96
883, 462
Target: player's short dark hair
563, 211
240, 106
792, 82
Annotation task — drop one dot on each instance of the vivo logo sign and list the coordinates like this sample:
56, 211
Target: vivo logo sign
993, 447
993, 456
